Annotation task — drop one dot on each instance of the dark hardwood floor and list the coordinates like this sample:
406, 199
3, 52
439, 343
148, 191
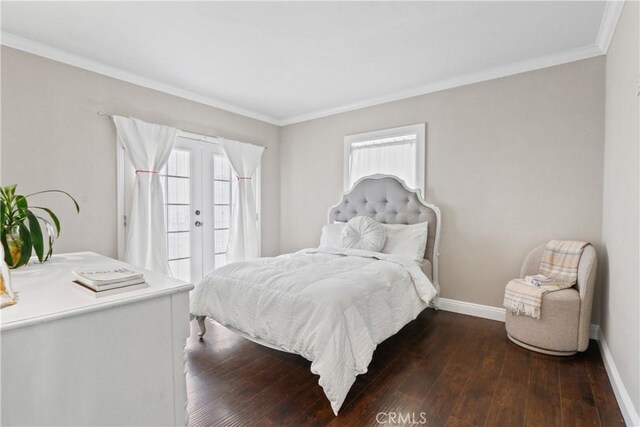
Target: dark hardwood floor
441, 369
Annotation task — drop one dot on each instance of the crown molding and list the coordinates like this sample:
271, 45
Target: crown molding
610, 17
59, 55
462, 80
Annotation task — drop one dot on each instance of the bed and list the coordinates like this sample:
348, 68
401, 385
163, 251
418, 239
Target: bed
332, 306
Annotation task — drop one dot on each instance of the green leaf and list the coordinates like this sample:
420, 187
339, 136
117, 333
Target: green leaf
50, 251
21, 203
53, 216
3, 216
36, 235
50, 233
10, 190
58, 191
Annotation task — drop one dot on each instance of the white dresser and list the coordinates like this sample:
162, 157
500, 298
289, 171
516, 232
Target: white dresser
69, 358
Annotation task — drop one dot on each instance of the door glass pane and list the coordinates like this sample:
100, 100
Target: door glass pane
177, 218
221, 260
178, 164
221, 192
221, 216
176, 185
178, 245
221, 168
178, 190
221, 239
222, 201
181, 269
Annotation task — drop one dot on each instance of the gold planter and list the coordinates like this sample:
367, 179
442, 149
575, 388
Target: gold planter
15, 245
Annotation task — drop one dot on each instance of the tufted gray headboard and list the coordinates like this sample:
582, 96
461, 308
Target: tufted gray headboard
388, 200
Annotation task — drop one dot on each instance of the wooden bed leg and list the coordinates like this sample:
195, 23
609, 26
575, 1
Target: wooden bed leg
202, 325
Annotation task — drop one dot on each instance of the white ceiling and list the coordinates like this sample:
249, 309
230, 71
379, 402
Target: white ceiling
291, 61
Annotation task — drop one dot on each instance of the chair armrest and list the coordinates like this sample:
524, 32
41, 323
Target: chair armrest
531, 264
587, 273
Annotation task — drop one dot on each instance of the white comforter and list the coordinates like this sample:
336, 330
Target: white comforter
330, 306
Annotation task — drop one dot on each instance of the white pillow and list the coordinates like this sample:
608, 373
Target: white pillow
407, 240
363, 232
332, 235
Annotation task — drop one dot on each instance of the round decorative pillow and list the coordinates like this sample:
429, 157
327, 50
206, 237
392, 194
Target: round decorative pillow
363, 232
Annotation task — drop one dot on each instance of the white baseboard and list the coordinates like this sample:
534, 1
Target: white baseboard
489, 312
472, 309
631, 417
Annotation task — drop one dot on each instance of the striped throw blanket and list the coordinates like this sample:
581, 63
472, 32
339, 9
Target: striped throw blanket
558, 270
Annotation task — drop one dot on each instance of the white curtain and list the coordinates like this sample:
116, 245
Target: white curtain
393, 159
148, 146
243, 238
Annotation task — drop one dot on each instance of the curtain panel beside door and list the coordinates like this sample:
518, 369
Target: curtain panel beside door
245, 159
148, 147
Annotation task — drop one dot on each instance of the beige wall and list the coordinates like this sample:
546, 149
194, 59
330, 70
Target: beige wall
621, 204
52, 138
511, 162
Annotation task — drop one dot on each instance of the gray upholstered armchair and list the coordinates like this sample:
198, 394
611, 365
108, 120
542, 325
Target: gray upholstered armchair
565, 316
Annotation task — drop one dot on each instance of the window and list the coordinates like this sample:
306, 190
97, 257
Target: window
398, 151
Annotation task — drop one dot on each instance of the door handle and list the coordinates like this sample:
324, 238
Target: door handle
198, 224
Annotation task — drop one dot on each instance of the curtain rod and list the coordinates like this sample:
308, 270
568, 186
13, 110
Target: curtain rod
103, 114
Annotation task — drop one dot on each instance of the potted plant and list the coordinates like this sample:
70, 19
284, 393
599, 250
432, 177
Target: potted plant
21, 231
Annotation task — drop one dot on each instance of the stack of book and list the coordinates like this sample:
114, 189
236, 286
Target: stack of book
109, 280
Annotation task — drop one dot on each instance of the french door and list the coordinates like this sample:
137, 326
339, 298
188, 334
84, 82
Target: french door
199, 188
